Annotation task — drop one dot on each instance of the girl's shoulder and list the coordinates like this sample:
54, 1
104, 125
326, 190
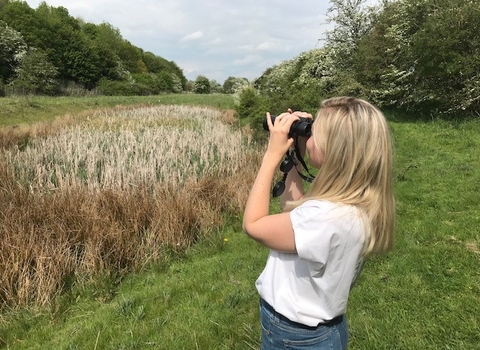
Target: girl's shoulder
325, 210
328, 206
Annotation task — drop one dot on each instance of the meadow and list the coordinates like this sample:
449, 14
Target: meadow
142, 248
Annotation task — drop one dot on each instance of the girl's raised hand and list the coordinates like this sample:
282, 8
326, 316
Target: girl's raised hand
280, 142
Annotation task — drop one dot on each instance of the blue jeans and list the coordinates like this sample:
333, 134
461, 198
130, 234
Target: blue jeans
279, 333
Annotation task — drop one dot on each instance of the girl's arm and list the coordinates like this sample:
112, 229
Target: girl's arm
294, 184
273, 231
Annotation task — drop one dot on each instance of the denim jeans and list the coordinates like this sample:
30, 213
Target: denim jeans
279, 333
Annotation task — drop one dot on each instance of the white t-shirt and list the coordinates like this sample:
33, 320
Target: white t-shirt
312, 286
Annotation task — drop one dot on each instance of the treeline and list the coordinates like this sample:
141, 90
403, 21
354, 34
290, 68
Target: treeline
419, 56
47, 51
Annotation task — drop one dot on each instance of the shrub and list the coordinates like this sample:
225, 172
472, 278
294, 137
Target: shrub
202, 85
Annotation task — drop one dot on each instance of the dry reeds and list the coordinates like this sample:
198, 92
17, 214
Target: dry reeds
112, 193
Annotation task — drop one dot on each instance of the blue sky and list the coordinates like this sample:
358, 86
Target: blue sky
214, 38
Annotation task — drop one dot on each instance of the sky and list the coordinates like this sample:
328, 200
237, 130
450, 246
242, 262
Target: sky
213, 38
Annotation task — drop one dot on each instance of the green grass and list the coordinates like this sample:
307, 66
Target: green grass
205, 300
426, 294
19, 110
423, 295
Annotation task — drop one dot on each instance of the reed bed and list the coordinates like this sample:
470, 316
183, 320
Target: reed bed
129, 147
112, 192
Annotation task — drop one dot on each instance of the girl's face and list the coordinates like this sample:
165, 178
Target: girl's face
315, 155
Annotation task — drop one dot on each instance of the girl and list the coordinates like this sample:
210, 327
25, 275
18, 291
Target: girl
318, 243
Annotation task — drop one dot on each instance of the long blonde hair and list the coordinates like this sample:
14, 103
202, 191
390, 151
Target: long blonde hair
357, 166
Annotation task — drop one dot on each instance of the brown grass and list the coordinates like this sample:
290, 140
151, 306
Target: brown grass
50, 238
473, 247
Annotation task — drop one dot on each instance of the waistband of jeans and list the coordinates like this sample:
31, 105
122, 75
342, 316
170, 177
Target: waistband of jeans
329, 323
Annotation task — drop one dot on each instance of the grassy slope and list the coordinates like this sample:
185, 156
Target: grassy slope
424, 295
14, 111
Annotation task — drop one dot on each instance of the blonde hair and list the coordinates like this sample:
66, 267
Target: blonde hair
357, 166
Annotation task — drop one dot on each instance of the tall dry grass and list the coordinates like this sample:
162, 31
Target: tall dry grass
113, 192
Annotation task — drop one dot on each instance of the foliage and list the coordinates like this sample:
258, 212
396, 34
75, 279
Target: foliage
423, 56
12, 49
83, 53
248, 103
351, 22
302, 82
420, 56
35, 74
251, 108
159, 65
232, 84
215, 87
129, 87
202, 85
298, 83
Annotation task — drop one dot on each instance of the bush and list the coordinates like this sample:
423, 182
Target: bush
202, 85
232, 85
251, 108
115, 88
146, 81
423, 56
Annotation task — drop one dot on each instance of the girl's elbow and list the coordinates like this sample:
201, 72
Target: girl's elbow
247, 228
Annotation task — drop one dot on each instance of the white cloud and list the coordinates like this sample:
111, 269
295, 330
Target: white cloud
247, 60
266, 46
192, 36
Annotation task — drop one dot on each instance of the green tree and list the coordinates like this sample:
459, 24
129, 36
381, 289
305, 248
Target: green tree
447, 55
351, 22
3, 3
202, 85
169, 71
232, 84
83, 53
12, 48
108, 63
424, 56
127, 57
155, 64
177, 83
215, 86
67, 47
21, 17
35, 74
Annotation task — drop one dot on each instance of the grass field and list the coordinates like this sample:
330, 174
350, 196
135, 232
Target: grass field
423, 295
19, 110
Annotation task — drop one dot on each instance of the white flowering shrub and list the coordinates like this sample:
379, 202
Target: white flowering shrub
234, 85
202, 85
35, 74
420, 55
425, 55
12, 49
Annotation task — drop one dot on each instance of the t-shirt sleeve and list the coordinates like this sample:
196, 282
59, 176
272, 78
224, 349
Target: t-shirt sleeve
315, 228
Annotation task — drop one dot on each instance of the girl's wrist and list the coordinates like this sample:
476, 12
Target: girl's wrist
271, 160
